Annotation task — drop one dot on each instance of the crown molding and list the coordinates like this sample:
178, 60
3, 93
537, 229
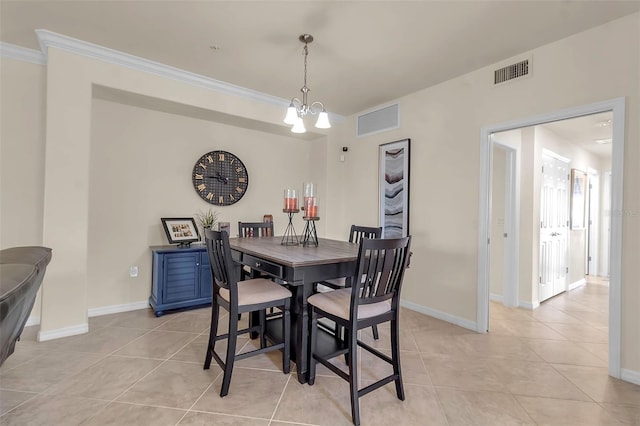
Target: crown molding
49, 39
19, 53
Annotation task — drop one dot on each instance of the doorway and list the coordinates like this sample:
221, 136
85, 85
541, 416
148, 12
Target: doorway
616, 107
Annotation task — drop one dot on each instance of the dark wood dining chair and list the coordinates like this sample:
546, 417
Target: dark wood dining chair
356, 234
237, 297
374, 298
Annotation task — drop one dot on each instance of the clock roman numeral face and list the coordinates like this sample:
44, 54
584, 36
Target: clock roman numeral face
220, 178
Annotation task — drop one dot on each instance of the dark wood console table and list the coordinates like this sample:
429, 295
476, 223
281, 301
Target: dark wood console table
300, 267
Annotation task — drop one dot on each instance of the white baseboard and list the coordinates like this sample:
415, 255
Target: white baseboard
529, 305
577, 284
630, 376
32, 321
462, 322
63, 332
496, 297
115, 309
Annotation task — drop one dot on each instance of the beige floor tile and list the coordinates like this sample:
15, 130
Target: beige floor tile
157, 344
595, 382
558, 412
48, 410
407, 342
469, 373
565, 352
601, 350
173, 384
499, 311
440, 341
141, 318
547, 313
481, 408
106, 379
118, 414
268, 361
325, 403
524, 329
207, 419
413, 368
536, 379
11, 399
596, 319
420, 407
497, 346
253, 393
46, 370
626, 414
194, 351
103, 340
191, 323
22, 353
580, 332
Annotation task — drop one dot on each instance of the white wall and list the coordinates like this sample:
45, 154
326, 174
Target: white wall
444, 125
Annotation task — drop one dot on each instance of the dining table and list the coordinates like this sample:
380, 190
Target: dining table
299, 267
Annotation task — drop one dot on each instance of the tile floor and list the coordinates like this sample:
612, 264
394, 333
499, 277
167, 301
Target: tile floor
546, 367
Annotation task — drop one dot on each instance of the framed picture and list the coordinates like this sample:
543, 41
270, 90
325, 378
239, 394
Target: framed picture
393, 187
180, 230
578, 199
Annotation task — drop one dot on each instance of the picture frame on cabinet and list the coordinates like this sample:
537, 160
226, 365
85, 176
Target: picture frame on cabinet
393, 186
180, 230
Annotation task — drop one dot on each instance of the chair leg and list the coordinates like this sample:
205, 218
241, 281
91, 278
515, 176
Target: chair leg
263, 328
286, 333
213, 332
395, 356
374, 328
313, 340
353, 377
231, 354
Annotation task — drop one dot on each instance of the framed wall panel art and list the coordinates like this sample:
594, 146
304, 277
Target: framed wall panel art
578, 199
393, 186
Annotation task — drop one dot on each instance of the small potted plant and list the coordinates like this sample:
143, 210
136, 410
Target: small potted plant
207, 220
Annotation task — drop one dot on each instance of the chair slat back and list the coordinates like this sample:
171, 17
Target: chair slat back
381, 265
255, 229
357, 233
222, 269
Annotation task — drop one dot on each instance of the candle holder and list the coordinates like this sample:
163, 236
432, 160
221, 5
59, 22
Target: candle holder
309, 235
290, 208
290, 238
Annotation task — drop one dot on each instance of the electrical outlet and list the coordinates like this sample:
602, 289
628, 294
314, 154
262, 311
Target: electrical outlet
133, 271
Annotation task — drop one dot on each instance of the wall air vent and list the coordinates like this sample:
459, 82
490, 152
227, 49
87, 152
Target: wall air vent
510, 72
382, 119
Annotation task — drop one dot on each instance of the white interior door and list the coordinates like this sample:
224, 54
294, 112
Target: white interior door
554, 226
593, 239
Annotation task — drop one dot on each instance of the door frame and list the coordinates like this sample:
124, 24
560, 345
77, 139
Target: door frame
593, 230
511, 284
617, 107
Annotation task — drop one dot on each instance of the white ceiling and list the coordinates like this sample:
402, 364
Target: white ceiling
584, 131
365, 53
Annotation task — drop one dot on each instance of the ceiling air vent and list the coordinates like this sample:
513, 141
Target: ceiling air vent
382, 119
510, 72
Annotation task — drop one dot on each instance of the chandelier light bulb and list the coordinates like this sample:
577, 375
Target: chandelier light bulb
292, 115
323, 121
298, 127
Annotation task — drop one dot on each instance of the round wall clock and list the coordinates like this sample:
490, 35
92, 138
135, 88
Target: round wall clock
220, 178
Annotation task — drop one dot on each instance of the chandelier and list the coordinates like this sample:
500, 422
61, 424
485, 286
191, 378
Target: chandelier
299, 109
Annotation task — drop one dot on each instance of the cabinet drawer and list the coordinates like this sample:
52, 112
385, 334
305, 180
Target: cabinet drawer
262, 265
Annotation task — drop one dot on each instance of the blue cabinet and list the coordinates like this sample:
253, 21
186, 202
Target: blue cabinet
181, 278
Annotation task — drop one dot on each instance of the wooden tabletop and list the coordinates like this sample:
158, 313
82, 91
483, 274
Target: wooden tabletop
269, 248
